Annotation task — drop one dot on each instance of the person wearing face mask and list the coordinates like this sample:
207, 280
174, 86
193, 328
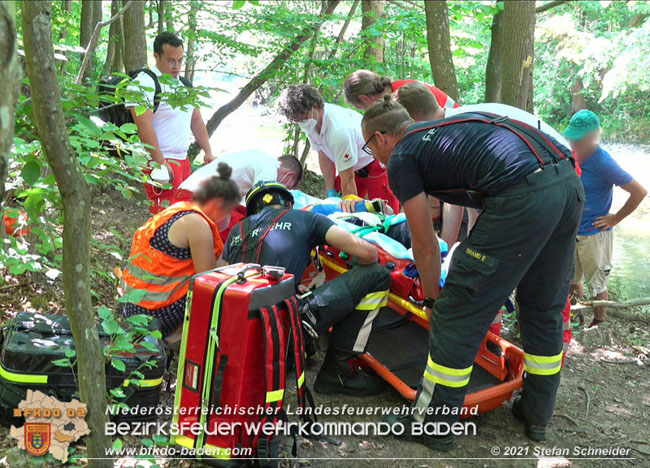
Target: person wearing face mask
174, 245
164, 128
248, 167
335, 132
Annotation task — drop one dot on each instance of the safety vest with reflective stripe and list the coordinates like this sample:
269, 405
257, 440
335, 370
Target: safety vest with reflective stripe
439, 94
166, 279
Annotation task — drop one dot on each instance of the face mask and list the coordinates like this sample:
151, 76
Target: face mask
308, 126
285, 178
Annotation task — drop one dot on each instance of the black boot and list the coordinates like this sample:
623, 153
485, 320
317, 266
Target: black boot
338, 376
442, 443
535, 432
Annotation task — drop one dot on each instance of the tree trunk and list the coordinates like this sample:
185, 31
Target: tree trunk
495, 60
442, 64
76, 198
67, 7
91, 14
190, 59
150, 6
161, 16
518, 54
113, 40
118, 65
169, 16
372, 10
261, 78
135, 55
10, 74
86, 25
577, 98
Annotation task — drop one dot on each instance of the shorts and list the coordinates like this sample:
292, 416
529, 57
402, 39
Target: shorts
594, 261
162, 198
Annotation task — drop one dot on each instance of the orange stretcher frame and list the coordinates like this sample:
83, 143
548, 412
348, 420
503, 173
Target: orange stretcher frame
487, 399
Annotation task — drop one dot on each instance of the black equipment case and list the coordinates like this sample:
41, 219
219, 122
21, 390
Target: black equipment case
32, 342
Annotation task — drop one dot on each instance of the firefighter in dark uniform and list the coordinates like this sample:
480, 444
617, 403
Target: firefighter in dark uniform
525, 239
275, 234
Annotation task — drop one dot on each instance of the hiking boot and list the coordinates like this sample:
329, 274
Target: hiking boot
535, 432
442, 443
338, 376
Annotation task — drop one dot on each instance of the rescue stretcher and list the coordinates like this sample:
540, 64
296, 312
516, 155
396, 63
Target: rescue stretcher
398, 346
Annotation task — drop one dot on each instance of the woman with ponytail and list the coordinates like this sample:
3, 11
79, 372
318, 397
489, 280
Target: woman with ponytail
174, 245
363, 88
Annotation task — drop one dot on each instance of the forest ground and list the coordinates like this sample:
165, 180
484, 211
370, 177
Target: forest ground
613, 410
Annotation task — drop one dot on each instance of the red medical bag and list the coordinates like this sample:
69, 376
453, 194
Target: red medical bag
238, 323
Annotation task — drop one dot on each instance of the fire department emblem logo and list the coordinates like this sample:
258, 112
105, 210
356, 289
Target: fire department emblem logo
37, 438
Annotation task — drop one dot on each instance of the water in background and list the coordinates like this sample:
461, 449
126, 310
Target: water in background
630, 276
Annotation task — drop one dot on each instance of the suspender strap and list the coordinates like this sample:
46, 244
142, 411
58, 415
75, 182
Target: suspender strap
533, 133
533, 138
274, 371
252, 248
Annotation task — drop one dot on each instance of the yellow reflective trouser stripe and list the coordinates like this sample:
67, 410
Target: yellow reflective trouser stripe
22, 378
301, 379
542, 365
275, 395
373, 301
447, 376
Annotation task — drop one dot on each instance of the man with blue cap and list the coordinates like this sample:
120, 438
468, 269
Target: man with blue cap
600, 173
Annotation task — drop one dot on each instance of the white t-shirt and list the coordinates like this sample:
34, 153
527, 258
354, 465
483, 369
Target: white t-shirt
341, 139
513, 113
172, 125
248, 167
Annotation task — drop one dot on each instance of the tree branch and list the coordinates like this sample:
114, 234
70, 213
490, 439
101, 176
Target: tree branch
408, 6
95, 37
643, 301
549, 5
341, 35
261, 78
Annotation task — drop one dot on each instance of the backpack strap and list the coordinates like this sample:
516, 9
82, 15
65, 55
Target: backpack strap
187, 83
156, 82
304, 395
274, 371
252, 248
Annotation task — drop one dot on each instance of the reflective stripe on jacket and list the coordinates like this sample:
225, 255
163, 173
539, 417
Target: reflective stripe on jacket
164, 278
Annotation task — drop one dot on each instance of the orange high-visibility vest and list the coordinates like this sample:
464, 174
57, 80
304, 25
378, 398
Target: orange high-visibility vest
164, 278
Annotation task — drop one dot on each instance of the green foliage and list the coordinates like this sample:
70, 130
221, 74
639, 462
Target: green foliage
599, 43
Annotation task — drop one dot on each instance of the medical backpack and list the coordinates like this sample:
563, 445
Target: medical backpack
239, 323
32, 343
